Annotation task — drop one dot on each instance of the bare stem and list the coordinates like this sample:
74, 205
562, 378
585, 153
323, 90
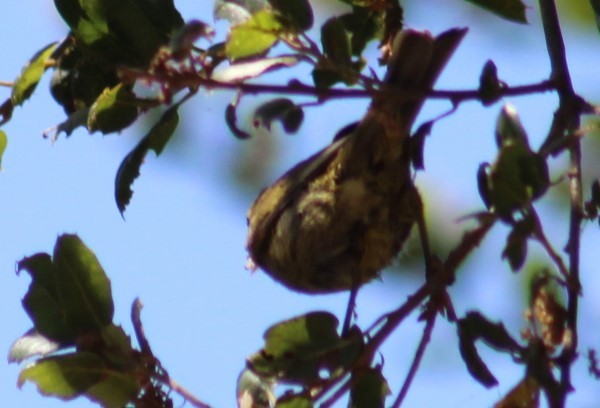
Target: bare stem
189, 397
297, 88
566, 120
416, 360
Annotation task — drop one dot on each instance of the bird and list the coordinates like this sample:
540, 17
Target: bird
335, 220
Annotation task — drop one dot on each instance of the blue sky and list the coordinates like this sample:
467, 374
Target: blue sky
181, 248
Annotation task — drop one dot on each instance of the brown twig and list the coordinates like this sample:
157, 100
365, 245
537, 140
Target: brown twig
189, 397
566, 120
297, 88
540, 236
417, 359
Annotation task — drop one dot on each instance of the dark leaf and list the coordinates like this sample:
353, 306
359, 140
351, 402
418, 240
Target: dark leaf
255, 36
364, 25
595, 189
370, 390
475, 365
417, 145
513, 10
283, 110
231, 120
324, 78
515, 250
82, 286
298, 13
516, 243
335, 41
121, 31
114, 110
494, 335
155, 140
304, 349
42, 301
31, 344
490, 87
31, 74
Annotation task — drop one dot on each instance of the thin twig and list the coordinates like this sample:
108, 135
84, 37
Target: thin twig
189, 397
566, 120
417, 359
540, 236
7, 84
297, 88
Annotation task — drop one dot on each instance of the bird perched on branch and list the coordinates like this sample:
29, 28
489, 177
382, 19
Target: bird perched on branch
334, 220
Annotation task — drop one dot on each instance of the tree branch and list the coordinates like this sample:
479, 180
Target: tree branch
417, 359
300, 89
566, 120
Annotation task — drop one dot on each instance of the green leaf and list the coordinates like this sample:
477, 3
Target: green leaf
72, 375
283, 110
3, 143
294, 401
335, 40
255, 36
114, 110
121, 31
370, 390
31, 344
513, 10
516, 243
31, 74
364, 25
297, 12
304, 349
82, 286
155, 140
42, 302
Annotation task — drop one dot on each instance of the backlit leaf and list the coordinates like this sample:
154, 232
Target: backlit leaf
155, 140
114, 110
31, 344
31, 74
255, 36
82, 286
76, 374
